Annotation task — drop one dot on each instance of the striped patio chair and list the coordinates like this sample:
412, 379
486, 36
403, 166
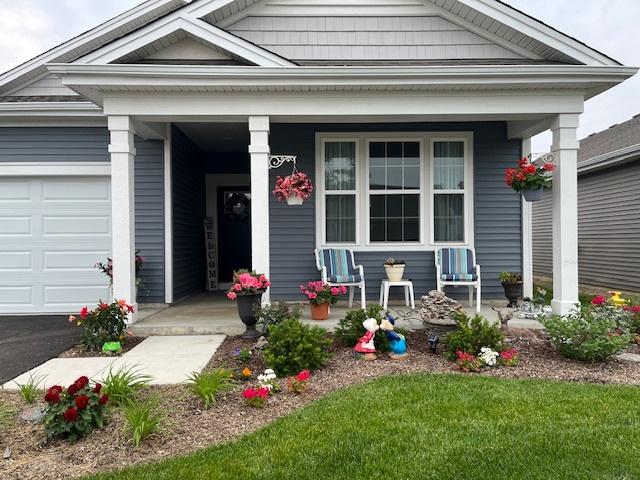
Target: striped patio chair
338, 267
456, 267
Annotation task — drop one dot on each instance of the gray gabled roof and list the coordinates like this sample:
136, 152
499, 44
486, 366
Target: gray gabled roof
618, 142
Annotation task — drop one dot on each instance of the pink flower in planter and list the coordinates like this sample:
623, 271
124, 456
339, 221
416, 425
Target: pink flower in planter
232, 295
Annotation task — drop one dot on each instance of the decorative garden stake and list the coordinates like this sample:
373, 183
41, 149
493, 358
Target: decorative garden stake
529, 179
247, 288
397, 342
365, 348
112, 348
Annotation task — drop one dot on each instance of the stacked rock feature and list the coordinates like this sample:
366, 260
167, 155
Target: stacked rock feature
438, 309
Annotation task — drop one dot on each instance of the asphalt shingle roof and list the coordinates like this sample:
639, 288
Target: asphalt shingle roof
613, 138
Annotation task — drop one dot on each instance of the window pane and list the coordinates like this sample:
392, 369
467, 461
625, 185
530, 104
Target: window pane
394, 218
340, 165
448, 218
394, 165
448, 165
341, 218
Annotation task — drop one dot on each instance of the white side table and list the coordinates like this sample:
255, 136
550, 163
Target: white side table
408, 292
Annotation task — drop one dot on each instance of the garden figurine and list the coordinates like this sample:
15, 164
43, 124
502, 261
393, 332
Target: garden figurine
397, 341
365, 348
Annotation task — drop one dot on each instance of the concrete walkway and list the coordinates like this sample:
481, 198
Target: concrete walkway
168, 359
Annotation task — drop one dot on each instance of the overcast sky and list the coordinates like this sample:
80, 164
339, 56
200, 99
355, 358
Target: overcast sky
29, 27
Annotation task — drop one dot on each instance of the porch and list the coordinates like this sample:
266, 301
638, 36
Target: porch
210, 313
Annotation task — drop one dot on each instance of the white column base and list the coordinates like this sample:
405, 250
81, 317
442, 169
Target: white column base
560, 307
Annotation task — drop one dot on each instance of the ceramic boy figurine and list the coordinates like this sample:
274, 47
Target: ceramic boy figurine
397, 342
365, 346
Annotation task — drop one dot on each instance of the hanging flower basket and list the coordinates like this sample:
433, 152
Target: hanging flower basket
293, 189
529, 179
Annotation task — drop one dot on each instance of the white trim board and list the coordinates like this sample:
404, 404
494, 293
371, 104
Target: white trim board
40, 169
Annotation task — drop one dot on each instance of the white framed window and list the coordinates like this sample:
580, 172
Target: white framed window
394, 191
388, 191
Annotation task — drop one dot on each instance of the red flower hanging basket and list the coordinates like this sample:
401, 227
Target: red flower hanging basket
293, 189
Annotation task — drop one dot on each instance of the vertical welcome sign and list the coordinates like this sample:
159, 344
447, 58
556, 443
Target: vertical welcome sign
211, 254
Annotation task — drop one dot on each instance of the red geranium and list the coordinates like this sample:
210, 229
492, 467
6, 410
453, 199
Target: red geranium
256, 397
599, 300
82, 402
303, 376
71, 414
528, 176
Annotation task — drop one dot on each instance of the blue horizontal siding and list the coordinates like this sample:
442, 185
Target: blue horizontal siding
498, 236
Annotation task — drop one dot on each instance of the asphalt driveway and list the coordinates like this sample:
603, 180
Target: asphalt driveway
28, 341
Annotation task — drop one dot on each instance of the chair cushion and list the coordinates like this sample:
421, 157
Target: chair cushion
457, 263
341, 279
339, 263
453, 277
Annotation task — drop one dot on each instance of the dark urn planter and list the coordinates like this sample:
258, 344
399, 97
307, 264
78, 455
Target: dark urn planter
247, 305
513, 291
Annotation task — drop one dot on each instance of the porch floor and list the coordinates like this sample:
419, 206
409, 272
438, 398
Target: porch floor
209, 313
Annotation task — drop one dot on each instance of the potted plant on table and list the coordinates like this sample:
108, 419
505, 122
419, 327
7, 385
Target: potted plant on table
294, 188
512, 284
394, 269
529, 179
321, 296
247, 289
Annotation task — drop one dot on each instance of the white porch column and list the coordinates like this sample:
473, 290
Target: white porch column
527, 236
565, 213
123, 153
260, 190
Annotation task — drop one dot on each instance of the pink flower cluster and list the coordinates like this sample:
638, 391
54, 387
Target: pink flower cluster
318, 292
247, 283
256, 397
297, 184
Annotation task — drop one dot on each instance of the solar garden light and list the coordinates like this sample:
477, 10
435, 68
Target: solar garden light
433, 342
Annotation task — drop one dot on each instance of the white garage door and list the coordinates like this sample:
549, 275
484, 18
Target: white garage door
53, 230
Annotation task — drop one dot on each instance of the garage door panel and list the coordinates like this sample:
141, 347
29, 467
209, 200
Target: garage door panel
51, 240
15, 225
70, 296
15, 190
15, 260
85, 225
76, 261
65, 190
15, 296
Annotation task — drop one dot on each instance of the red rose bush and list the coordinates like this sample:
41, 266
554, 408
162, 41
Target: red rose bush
105, 323
75, 411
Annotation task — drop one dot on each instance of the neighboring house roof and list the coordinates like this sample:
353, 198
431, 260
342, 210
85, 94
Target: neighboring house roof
526, 38
618, 143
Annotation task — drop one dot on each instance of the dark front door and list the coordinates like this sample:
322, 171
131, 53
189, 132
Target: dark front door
234, 231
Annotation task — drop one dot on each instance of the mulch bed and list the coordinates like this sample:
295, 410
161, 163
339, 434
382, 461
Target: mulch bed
80, 351
189, 427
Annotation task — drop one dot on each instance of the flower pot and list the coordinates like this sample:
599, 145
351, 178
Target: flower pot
533, 195
513, 291
247, 305
394, 272
319, 311
294, 199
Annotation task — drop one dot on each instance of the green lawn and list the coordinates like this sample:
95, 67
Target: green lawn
435, 427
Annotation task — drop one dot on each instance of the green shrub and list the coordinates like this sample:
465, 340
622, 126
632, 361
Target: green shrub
294, 347
207, 385
32, 390
75, 411
122, 385
589, 335
276, 313
105, 323
350, 328
471, 335
142, 418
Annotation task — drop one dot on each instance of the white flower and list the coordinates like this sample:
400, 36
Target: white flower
488, 356
269, 371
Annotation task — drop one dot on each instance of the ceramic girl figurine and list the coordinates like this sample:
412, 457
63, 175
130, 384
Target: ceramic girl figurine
365, 346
